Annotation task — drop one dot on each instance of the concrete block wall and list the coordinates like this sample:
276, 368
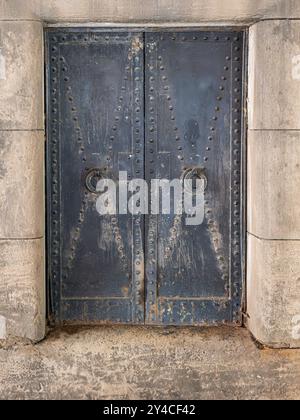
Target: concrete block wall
274, 183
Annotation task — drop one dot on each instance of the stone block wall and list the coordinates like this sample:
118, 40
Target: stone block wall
273, 279
273, 273
22, 139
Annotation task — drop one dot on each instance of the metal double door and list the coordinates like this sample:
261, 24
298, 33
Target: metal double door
156, 105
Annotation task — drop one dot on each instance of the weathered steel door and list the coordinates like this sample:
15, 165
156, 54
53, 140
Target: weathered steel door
159, 106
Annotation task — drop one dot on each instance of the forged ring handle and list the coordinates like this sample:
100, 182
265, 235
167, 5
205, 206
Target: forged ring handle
193, 174
92, 178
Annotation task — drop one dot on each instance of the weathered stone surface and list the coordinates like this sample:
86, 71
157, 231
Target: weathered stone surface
20, 9
21, 184
21, 76
126, 363
227, 11
285, 9
22, 288
274, 292
273, 184
274, 75
74, 10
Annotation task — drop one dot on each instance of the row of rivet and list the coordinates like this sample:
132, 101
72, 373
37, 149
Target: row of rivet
166, 90
189, 37
138, 169
179, 153
77, 132
152, 148
212, 225
181, 37
89, 37
108, 164
236, 179
55, 207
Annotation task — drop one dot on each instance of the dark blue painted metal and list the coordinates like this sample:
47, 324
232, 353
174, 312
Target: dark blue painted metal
95, 121
194, 120
190, 102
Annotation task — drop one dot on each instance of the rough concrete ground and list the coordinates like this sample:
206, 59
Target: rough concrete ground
147, 363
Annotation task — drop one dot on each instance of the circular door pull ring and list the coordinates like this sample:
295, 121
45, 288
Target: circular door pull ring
194, 174
92, 178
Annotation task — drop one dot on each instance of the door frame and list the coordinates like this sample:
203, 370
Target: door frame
150, 29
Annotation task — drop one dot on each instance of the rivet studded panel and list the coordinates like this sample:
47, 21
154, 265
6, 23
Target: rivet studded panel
161, 105
194, 84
